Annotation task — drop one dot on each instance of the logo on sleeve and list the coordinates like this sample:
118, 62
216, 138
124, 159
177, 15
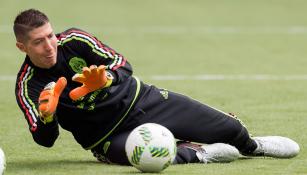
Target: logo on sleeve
77, 64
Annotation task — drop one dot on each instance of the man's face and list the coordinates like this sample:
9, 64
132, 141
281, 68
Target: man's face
40, 46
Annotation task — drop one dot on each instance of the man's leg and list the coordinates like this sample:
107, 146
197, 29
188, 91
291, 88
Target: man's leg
191, 120
188, 120
113, 149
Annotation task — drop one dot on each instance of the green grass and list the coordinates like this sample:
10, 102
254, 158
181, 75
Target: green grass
177, 37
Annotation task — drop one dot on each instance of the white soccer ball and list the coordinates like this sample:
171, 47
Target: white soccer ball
2, 161
151, 147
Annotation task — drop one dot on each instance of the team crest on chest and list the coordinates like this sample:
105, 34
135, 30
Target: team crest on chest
77, 64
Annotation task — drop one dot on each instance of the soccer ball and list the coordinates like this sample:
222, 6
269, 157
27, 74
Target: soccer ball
2, 161
151, 147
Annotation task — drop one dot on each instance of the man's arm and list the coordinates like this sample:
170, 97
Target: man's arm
97, 53
27, 91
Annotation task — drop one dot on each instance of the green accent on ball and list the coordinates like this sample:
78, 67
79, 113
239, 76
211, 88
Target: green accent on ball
136, 154
146, 134
159, 151
167, 164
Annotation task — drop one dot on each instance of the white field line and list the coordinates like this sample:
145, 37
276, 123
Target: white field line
7, 78
207, 77
161, 29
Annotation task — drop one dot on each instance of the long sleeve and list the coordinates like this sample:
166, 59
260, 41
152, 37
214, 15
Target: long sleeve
27, 91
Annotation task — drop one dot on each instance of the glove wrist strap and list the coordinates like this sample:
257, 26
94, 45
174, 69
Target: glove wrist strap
109, 79
46, 119
108, 83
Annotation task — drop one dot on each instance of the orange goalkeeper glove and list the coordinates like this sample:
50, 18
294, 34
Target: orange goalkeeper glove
92, 78
49, 98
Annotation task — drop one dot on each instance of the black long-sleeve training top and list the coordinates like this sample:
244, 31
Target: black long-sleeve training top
92, 118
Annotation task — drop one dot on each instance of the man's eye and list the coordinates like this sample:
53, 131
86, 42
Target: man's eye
50, 36
37, 42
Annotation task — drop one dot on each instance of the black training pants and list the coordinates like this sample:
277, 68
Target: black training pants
186, 118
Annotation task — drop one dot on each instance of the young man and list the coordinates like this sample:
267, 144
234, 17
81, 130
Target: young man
97, 99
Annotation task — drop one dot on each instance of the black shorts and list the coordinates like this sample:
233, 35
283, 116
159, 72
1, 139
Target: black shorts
185, 117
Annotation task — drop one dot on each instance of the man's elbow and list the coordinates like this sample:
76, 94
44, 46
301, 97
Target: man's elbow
46, 142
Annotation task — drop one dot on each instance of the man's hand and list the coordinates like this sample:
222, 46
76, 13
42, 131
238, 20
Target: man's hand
49, 98
92, 78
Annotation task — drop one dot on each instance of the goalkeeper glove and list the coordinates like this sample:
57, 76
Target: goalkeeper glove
49, 98
92, 78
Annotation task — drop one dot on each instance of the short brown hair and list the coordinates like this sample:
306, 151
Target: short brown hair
26, 21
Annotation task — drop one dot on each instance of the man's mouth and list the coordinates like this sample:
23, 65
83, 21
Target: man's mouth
50, 56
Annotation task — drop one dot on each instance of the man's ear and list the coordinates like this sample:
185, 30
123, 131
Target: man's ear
21, 46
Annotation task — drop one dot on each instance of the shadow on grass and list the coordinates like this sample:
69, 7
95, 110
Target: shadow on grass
39, 166
30, 165
42, 165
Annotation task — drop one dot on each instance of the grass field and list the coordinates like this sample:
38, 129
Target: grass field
241, 56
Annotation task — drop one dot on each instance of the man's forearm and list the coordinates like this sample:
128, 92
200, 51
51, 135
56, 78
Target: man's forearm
46, 134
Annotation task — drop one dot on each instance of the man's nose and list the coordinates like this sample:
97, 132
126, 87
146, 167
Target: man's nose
48, 45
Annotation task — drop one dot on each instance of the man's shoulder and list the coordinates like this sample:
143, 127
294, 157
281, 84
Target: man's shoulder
26, 64
72, 30
25, 72
74, 35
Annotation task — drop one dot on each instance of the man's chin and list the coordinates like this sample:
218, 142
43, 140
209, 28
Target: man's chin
52, 64
49, 65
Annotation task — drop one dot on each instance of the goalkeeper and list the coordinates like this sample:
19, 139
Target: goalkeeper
74, 80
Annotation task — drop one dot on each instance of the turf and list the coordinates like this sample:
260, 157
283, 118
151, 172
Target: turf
177, 37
